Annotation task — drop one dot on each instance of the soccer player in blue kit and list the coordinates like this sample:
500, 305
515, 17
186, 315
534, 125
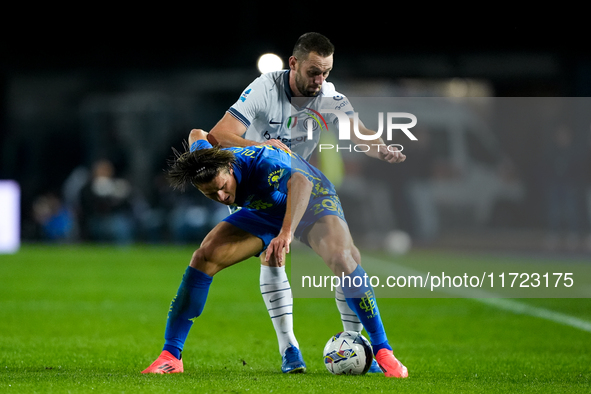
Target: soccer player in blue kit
278, 192
274, 110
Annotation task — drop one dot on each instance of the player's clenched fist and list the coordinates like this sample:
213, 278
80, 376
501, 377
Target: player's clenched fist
391, 155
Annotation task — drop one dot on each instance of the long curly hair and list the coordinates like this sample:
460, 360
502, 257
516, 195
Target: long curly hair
198, 167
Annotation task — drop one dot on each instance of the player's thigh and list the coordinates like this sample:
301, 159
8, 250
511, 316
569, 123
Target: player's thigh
331, 239
224, 246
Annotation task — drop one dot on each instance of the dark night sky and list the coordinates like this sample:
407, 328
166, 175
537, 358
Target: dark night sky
211, 43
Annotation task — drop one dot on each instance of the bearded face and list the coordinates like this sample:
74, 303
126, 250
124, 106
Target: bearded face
310, 74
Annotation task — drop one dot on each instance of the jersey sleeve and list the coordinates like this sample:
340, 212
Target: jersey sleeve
252, 100
200, 144
337, 100
344, 104
334, 100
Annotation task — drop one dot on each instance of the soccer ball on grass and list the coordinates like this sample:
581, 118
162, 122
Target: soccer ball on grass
348, 353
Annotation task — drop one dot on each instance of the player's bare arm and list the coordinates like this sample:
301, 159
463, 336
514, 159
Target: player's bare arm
379, 149
299, 189
196, 135
229, 130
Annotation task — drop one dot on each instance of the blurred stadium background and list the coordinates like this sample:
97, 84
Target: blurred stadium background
116, 105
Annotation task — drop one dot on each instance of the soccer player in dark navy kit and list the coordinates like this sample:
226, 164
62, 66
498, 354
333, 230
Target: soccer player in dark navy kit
278, 192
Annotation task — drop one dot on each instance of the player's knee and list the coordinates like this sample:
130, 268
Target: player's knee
198, 258
341, 262
204, 260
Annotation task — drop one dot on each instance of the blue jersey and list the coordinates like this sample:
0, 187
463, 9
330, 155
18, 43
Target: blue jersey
262, 173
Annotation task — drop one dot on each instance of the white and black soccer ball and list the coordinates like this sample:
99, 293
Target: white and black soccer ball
348, 353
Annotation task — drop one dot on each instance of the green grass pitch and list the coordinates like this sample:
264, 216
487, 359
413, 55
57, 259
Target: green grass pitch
88, 319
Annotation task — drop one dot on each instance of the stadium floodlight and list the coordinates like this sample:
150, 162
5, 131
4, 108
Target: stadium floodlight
269, 62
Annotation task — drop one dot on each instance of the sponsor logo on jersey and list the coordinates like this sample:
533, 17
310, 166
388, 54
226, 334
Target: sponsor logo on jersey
251, 203
342, 105
286, 141
244, 95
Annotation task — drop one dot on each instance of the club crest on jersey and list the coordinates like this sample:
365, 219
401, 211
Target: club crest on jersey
314, 121
275, 176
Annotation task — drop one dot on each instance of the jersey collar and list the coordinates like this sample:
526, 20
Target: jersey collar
237, 172
286, 87
300, 101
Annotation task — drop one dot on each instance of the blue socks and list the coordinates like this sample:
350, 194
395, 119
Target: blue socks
361, 299
192, 294
186, 306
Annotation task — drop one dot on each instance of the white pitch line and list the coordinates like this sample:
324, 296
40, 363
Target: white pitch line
490, 299
525, 309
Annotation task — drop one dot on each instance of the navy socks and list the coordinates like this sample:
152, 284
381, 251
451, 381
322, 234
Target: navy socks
186, 306
361, 299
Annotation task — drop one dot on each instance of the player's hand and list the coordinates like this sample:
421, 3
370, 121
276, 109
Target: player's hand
277, 144
392, 155
276, 248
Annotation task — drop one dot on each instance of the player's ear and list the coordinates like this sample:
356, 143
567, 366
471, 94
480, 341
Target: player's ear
292, 62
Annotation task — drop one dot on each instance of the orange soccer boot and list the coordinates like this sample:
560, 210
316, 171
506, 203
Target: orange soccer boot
165, 363
390, 365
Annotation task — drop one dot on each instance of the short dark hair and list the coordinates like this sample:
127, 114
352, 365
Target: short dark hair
198, 167
312, 42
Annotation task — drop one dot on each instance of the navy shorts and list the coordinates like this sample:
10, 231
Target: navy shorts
266, 226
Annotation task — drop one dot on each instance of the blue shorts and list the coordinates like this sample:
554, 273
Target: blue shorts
266, 226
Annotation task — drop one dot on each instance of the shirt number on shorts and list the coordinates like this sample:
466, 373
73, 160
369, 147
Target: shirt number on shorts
328, 204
